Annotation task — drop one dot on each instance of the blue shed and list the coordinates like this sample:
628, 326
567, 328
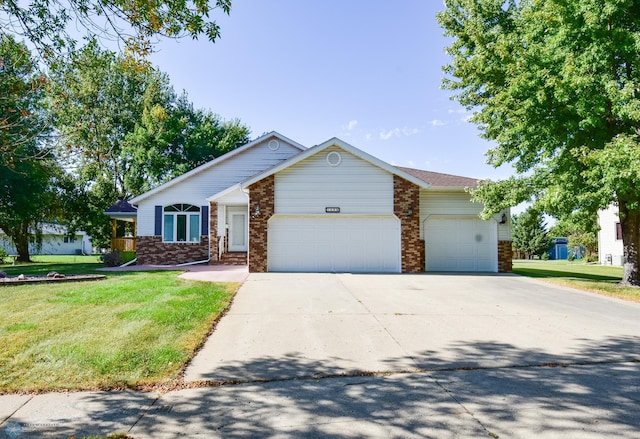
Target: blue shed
560, 249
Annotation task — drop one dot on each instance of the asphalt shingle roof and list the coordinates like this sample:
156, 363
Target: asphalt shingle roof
437, 179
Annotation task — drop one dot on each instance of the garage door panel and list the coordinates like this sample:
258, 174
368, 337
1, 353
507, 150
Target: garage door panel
460, 244
334, 243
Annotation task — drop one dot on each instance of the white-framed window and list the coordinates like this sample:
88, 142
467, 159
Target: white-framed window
69, 239
181, 223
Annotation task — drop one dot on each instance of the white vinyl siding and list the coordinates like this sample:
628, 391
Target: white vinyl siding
456, 203
610, 249
196, 189
334, 243
355, 186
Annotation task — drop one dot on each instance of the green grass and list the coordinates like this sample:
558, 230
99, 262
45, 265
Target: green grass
132, 329
589, 277
65, 264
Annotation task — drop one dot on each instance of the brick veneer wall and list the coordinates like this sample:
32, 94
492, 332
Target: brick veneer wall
213, 232
261, 195
406, 195
505, 255
151, 250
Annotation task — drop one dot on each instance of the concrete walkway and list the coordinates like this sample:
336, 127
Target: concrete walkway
202, 272
460, 356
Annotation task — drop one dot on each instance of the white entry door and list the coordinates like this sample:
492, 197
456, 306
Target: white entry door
237, 230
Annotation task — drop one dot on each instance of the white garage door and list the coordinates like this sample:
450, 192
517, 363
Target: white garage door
313, 243
460, 244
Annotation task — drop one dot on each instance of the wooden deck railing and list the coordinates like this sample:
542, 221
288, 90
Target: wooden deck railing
123, 244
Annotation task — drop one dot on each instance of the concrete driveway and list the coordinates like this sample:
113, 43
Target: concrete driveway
283, 326
461, 356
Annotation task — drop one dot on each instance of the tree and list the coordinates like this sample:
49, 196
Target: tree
22, 118
125, 131
29, 175
97, 101
555, 84
581, 231
134, 24
530, 233
171, 141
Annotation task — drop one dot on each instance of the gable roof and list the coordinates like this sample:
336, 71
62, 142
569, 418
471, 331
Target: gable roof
121, 206
215, 162
347, 147
439, 180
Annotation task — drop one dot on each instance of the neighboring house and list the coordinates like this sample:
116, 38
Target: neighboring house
610, 237
55, 241
329, 208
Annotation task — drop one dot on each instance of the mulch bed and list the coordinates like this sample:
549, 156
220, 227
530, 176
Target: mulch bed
40, 279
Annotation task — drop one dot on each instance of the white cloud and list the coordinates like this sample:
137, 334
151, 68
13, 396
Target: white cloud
352, 124
386, 135
437, 123
398, 132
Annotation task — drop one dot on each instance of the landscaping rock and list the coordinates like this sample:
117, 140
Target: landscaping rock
21, 277
3, 274
52, 274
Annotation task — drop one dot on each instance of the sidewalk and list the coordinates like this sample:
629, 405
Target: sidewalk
203, 272
541, 402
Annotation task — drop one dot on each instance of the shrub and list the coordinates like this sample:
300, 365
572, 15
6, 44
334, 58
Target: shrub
127, 256
3, 255
112, 259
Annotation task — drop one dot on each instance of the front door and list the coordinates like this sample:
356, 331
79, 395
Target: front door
237, 230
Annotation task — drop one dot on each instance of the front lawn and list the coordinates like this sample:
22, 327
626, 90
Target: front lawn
65, 264
589, 277
132, 329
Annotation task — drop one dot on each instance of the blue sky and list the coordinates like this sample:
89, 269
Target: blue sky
368, 72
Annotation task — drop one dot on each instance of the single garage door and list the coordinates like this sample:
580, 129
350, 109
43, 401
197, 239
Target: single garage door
333, 243
460, 244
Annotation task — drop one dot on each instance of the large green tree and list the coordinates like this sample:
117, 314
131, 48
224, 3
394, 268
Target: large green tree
125, 130
555, 84
29, 174
22, 119
135, 24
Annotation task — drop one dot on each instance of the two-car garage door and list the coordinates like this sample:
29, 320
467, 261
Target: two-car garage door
333, 243
460, 244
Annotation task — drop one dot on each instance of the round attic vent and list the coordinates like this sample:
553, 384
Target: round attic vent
334, 158
274, 145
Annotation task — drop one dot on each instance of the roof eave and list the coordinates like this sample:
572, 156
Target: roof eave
212, 163
334, 141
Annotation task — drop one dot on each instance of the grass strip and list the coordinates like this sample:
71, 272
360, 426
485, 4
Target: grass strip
132, 329
594, 278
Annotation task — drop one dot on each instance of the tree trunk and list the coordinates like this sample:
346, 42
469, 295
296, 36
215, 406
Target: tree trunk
630, 223
20, 238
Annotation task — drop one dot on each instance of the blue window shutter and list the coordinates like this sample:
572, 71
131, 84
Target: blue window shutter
204, 220
158, 221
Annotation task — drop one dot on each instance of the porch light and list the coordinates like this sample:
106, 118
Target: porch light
409, 212
503, 219
256, 212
